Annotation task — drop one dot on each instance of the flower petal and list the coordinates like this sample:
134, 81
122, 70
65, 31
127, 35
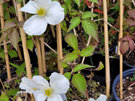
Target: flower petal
59, 83
35, 25
44, 3
30, 7
40, 96
54, 97
40, 80
102, 98
28, 85
55, 14
91, 99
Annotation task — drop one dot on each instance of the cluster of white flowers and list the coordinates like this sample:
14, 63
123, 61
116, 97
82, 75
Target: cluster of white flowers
45, 12
42, 90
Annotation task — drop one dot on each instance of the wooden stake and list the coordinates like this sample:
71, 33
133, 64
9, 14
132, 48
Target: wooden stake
59, 48
43, 54
5, 45
107, 64
121, 56
38, 46
25, 50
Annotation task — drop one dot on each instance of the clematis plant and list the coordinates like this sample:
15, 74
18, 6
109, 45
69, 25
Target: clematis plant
45, 12
42, 90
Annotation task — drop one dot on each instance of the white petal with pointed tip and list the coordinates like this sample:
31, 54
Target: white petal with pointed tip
28, 85
59, 83
44, 3
41, 81
55, 97
91, 99
102, 98
55, 14
30, 7
40, 96
35, 25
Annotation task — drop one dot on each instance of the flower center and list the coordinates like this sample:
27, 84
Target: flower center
48, 92
34, 89
41, 12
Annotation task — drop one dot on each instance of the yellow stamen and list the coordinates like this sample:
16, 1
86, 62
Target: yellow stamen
48, 92
34, 88
41, 12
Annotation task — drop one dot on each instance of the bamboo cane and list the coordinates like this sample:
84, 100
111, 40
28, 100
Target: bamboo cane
18, 48
59, 48
107, 64
121, 56
38, 46
25, 50
5, 45
43, 54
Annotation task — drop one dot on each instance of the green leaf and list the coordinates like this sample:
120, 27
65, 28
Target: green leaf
20, 69
30, 44
73, 13
80, 83
4, 97
19, 1
67, 75
2, 54
68, 3
74, 22
64, 26
95, 1
64, 65
12, 53
72, 41
77, 2
100, 66
88, 14
90, 28
70, 57
65, 8
12, 92
80, 67
88, 51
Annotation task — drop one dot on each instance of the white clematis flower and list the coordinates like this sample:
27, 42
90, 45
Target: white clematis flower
45, 11
42, 90
100, 98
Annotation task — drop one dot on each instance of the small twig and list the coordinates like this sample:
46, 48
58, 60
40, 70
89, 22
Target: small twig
128, 53
74, 31
25, 14
107, 23
14, 3
53, 32
133, 84
50, 48
2, 85
77, 96
4, 43
89, 39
